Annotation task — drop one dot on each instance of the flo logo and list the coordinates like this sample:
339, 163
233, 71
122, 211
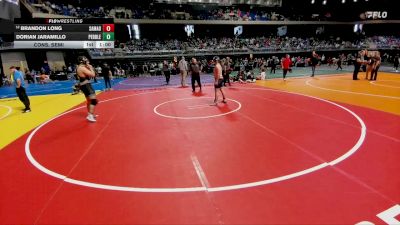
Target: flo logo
376, 15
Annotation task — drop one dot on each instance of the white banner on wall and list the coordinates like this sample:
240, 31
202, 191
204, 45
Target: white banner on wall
56, 60
16, 59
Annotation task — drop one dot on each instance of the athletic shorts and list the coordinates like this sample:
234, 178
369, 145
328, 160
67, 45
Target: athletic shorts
219, 83
87, 89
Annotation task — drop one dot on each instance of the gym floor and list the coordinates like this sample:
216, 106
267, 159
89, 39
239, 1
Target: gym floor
322, 150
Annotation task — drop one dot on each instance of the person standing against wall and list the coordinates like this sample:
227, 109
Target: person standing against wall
226, 68
107, 75
167, 72
272, 63
339, 63
314, 62
183, 67
396, 63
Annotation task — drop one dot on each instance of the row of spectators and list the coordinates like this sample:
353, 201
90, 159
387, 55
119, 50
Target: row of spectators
259, 44
245, 69
176, 12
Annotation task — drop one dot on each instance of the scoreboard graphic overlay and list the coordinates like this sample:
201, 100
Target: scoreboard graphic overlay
64, 33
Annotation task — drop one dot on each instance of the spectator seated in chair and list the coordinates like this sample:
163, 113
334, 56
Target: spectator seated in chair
262, 75
250, 77
239, 78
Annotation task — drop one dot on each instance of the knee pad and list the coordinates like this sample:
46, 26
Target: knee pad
93, 101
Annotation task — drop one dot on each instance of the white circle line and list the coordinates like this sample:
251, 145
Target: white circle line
360, 121
309, 170
133, 189
33, 161
196, 189
349, 92
391, 86
268, 181
195, 117
8, 112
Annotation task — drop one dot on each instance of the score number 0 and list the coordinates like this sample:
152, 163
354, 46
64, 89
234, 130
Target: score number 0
108, 27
